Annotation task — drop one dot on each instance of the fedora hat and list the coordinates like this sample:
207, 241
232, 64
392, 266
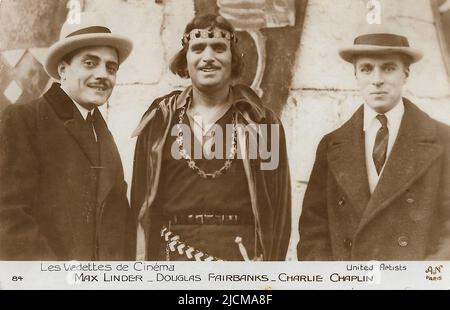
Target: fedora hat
377, 39
92, 31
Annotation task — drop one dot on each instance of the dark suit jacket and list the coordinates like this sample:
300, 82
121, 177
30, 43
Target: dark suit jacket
60, 198
408, 215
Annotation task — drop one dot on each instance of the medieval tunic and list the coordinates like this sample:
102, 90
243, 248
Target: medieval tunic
195, 195
269, 190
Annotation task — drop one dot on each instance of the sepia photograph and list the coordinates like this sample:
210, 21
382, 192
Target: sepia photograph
260, 144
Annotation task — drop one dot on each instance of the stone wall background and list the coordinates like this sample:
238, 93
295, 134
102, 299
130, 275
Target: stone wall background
320, 98
23, 48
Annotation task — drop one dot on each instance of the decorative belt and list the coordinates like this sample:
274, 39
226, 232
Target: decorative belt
175, 244
211, 219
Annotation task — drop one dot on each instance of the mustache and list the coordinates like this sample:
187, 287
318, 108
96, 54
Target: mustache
209, 67
103, 84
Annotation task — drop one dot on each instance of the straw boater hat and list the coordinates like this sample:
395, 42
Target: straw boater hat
92, 31
377, 39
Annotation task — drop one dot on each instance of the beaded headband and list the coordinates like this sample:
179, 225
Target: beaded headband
208, 33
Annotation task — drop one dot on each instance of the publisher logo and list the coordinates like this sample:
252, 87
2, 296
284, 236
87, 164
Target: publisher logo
434, 273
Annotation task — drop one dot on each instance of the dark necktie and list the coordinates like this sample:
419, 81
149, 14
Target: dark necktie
90, 123
381, 143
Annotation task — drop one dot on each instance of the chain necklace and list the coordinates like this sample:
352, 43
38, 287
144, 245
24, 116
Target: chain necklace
192, 164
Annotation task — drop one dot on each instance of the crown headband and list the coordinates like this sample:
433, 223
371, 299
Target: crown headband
207, 33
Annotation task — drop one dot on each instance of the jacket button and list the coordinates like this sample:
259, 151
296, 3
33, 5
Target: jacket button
341, 202
410, 200
348, 243
409, 197
403, 241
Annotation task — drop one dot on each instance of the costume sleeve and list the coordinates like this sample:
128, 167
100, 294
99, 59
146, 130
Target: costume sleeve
139, 187
147, 243
315, 243
20, 238
283, 220
279, 184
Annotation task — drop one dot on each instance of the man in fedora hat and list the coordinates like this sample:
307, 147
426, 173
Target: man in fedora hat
62, 190
380, 186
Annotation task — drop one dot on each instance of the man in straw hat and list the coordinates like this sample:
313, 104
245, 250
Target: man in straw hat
380, 186
62, 190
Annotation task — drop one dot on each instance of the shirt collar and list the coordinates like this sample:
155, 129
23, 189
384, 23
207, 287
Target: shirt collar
393, 116
84, 112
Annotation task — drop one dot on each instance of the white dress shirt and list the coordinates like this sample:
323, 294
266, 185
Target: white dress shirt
371, 127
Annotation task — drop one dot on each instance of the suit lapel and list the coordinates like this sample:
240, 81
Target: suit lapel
73, 121
414, 151
346, 158
79, 130
109, 158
